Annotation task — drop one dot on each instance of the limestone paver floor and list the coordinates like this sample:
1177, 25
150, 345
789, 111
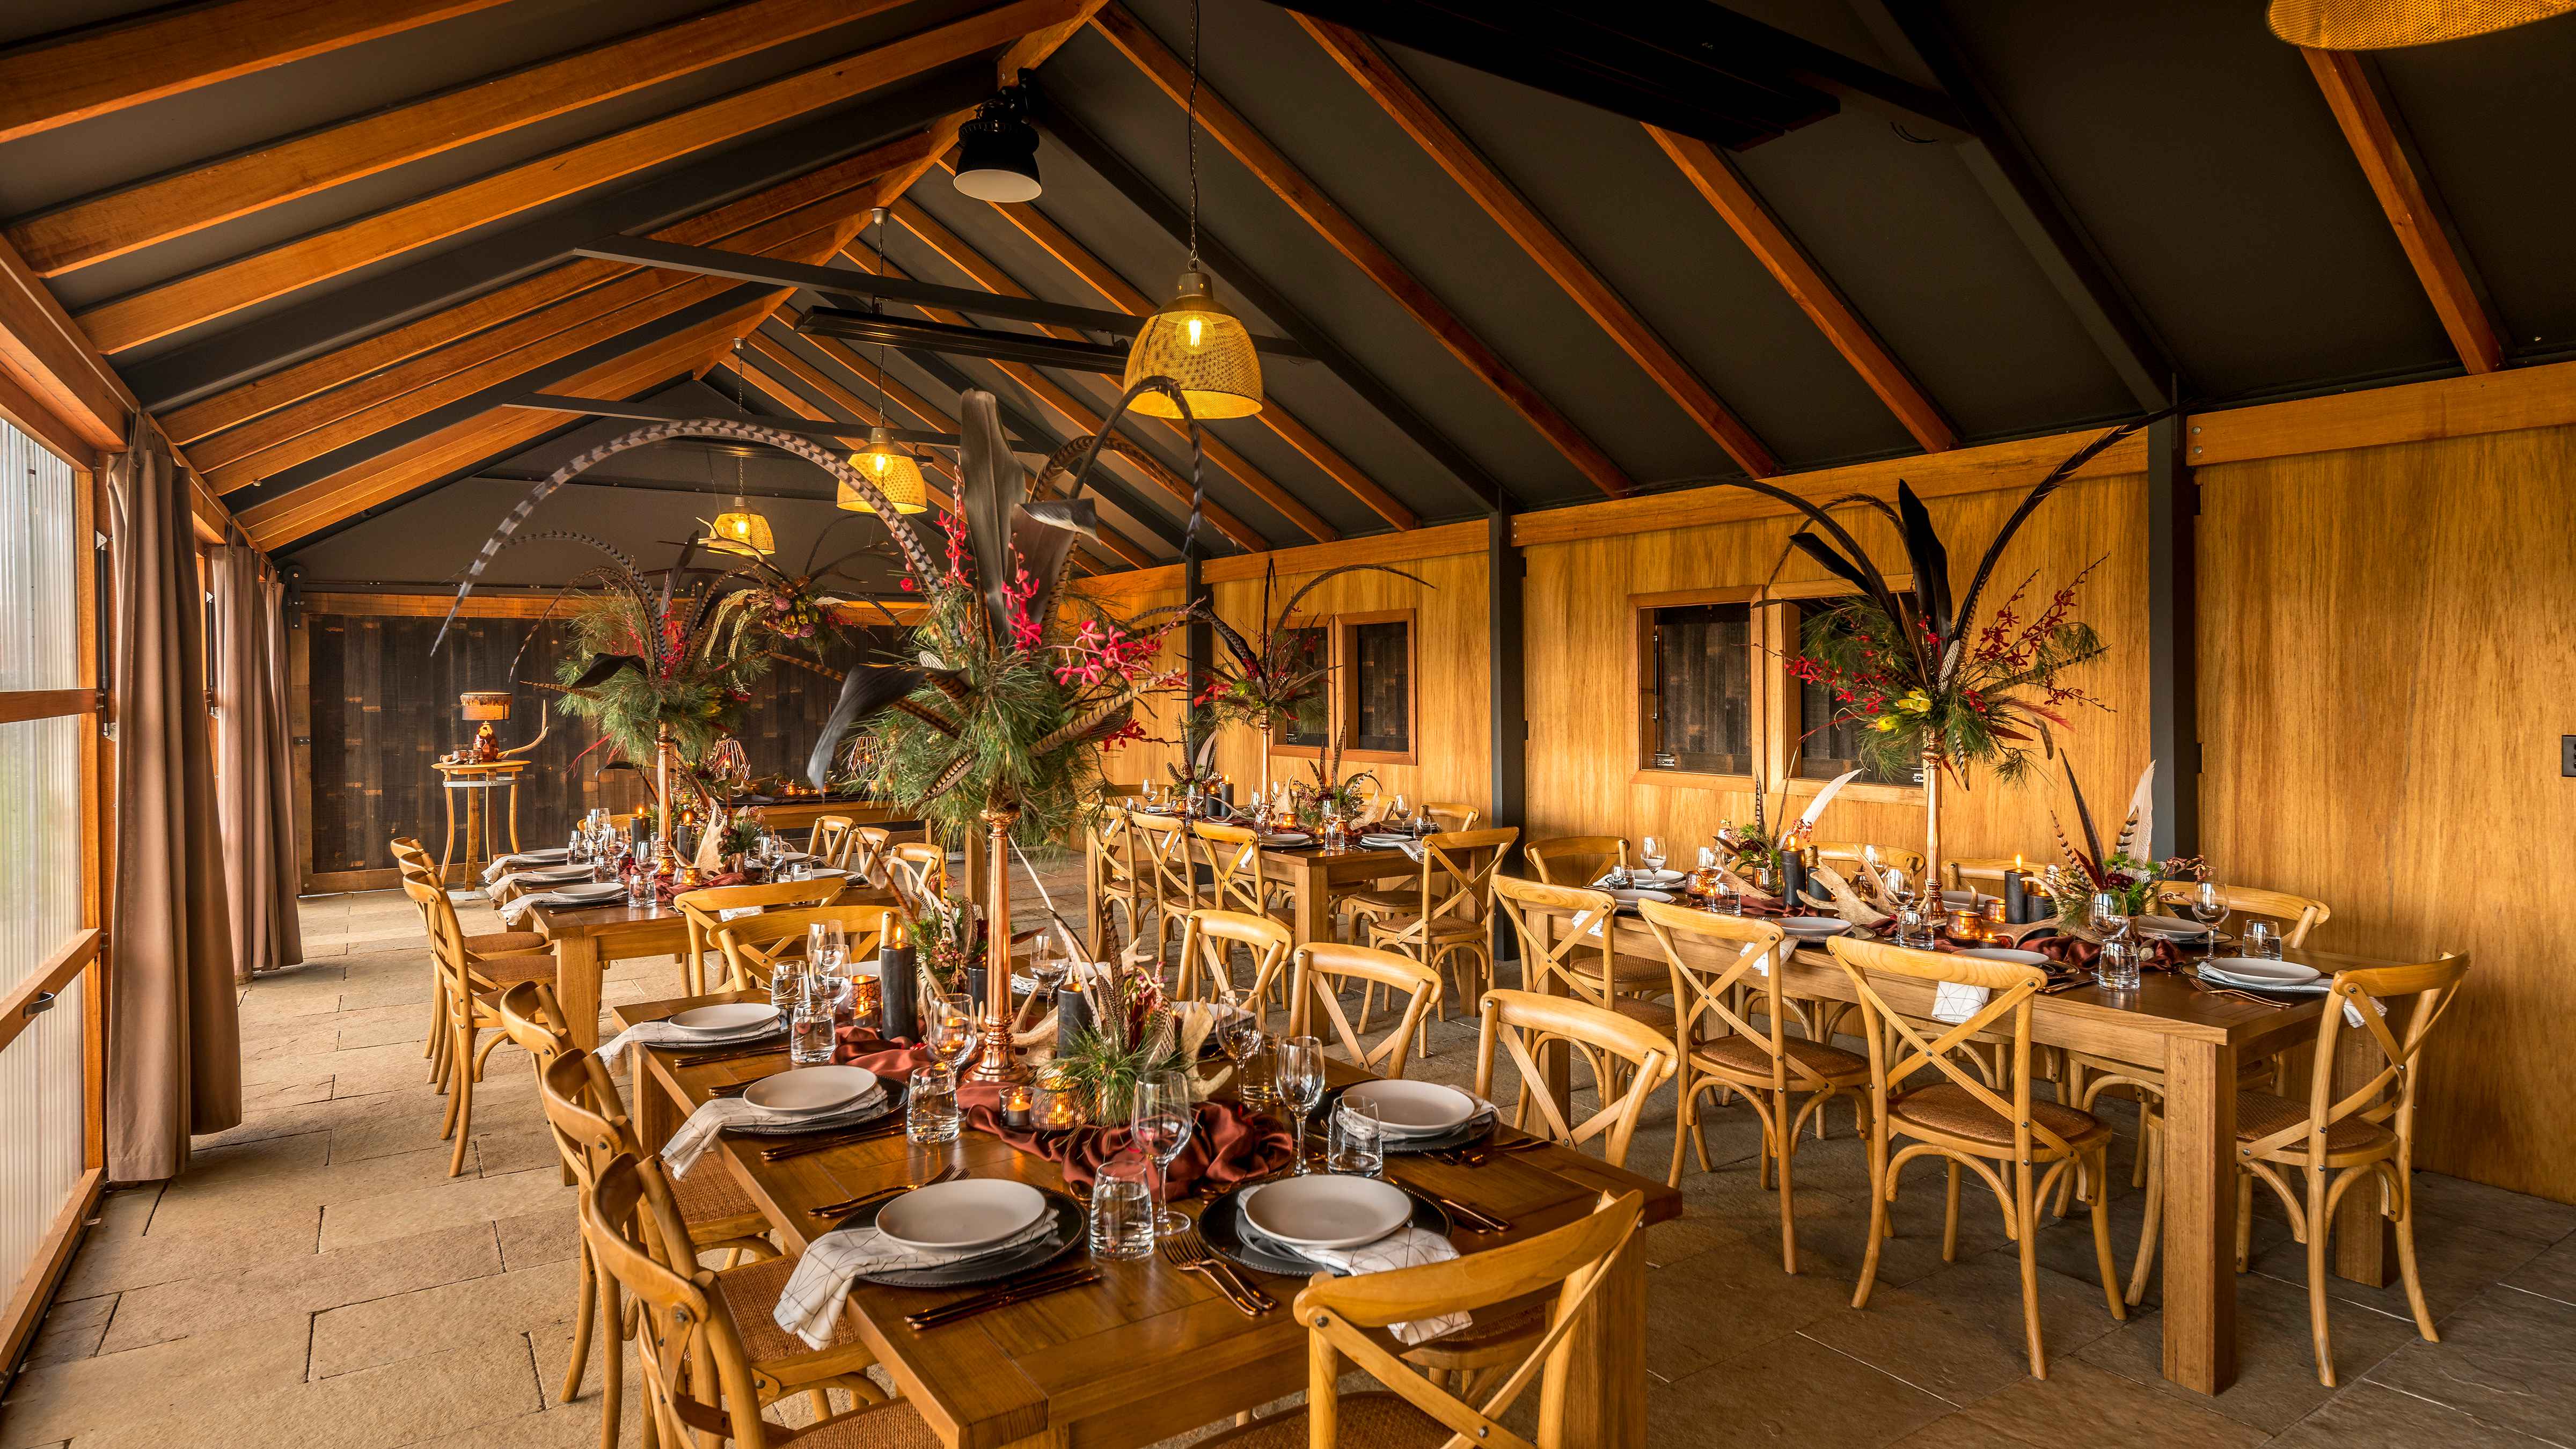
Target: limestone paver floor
316, 1279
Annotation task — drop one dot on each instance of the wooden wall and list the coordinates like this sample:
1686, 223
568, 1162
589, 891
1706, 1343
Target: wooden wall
2388, 660
1582, 746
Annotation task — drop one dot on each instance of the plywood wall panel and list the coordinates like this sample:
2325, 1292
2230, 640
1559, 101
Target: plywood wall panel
2388, 657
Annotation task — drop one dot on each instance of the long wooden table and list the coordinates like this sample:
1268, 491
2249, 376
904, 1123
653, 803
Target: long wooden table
1149, 1351
2197, 1040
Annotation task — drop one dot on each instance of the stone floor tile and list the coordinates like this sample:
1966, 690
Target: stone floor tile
435, 1395
1927, 1343
210, 1370
2551, 1275
308, 1283
516, 1149
73, 1328
2492, 1208
2276, 1368
110, 1265
453, 1315
271, 1096
421, 1210
1986, 1290
2080, 1404
1790, 1393
543, 1236
2503, 1359
2458, 1261
1691, 1320
2367, 1416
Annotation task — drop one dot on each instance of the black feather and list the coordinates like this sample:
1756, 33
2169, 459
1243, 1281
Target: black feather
2056, 478
604, 667
2084, 817
1931, 561
1835, 564
869, 688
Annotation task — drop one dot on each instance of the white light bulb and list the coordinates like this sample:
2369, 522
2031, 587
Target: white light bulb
1195, 324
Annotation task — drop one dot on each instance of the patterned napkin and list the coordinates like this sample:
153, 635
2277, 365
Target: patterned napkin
1954, 1003
1406, 1247
503, 865
599, 894
715, 1114
672, 1034
811, 1302
538, 876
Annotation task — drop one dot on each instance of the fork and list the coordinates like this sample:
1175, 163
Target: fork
1178, 1251
838, 1209
1192, 1242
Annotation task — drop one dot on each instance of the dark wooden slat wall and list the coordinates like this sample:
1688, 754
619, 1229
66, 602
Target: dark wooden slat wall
384, 708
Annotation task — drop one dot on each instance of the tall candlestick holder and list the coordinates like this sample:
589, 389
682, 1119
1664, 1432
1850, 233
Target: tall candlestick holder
998, 1061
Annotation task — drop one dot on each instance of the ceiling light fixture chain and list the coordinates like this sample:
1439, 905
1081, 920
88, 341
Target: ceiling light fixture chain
1194, 343
895, 471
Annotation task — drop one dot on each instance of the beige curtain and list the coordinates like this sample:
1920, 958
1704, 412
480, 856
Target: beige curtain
173, 1026
254, 786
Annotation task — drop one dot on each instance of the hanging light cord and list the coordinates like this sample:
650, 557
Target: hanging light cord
874, 305
1192, 110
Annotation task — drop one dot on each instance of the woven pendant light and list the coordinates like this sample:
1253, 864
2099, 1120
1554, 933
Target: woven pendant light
2389, 24
1195, 342
894, 472
740, 531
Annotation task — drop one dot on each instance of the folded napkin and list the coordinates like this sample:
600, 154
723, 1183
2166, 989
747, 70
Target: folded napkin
503, 865
1406, 1247
599, 894
538, 876
715, 1114
811, 1302
2161, 955
671, 1034
1954, 1003
1387, 840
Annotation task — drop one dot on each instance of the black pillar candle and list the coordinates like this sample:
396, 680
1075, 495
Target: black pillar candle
2016, 902
1072, 1014
899, 965
1793, 880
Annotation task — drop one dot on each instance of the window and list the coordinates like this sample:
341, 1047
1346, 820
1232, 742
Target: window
1824, 747
1698, 708
1377, 685
1309, 647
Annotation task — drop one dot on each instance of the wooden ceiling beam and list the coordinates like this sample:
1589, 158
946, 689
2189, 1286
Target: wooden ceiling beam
49, 359
2414, 211
1807, 285
221, 290
464, 444
106, 68
808, 194
766, 381
980, 269
1229, 129
1404, 103
112, 223
1115, 290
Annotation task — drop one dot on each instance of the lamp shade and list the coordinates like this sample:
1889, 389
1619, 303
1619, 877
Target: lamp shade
997, 151
2389, 24
487, 703
1198, 344
742, 531
894, 472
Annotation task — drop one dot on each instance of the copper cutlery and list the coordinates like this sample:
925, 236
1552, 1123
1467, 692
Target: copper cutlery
1019, 1291
1196, 1248
841, 1209
709, 1059
1178, 1252
838, 1139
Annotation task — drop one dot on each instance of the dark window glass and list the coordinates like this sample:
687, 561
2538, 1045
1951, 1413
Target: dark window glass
1826, 748
1700, 661
1308, 649
1382, 687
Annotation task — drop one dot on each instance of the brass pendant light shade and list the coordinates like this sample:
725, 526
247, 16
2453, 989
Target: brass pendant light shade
894, 472
2389, 24
1195, 342
740, 532
486, 704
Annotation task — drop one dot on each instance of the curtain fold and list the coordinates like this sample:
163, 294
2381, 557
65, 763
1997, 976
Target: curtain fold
254, 786
173, 1026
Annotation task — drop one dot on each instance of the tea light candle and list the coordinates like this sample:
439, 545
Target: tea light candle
1015, 1105
1967, 923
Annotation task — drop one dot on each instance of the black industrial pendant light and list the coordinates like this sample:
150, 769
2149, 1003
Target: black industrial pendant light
997, 154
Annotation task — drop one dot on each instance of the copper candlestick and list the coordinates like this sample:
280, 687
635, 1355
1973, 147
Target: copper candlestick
997, 1061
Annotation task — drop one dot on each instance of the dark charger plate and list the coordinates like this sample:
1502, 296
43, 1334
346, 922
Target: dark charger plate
829, 1122
1221, 1224
1068, 1231
1475, 1129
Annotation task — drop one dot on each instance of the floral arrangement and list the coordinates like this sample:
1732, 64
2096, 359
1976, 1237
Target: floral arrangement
1326, 788
1745, 849
2124, 870
1132, 1032
950, 939
1266, 680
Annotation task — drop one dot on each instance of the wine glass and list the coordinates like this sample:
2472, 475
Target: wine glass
2111, 913
2209, 907
1909, 916
1396, 813
1653, 855
1165, 1113
1300, 1075
950, 1027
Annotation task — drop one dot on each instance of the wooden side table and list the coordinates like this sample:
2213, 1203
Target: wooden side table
477, 781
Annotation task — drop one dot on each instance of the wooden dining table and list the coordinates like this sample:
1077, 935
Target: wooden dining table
2198, 1040
1310, 873
1148, 1351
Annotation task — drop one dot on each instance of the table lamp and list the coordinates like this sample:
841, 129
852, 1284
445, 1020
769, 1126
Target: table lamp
485, 705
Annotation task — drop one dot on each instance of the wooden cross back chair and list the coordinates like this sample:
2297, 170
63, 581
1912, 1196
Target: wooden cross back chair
753, 946
590, 1126
2295, 915
1325, 967
1235, 876
413, 860
1451, 923
1208, 939
1992, 1131
1582, 960
699, 1335
704, 909
829, 838
1347, 1318
1984, 873
1525, 1023
863, 854
1576, 860
465, 990
1722, 1048
2333, 1143
1166, 876
1452, 815
1115, 884
918, 871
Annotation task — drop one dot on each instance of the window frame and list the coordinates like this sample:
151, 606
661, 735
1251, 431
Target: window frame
1279, 747
1346, 676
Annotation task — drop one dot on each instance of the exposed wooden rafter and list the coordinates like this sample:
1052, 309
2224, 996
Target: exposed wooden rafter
111, 223
1115, 289
1808, 286
1229, 129
954, 250
1404, 102
2412, 206
122, 63
221, 290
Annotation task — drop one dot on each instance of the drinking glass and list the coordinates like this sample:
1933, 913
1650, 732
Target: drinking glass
1122, 1207
1902, 892
577, 849
786, 987
640, 883
1165, 1113
930, 1112
2209, 907
809, 1031
2118, 967
1298, 1069
1357, 1145
827, 955
1256, 1078
1653, 855
1396, 813
2262, 941
1724, 899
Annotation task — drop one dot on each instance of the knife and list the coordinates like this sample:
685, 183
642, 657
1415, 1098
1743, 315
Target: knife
708, 1059
1020, 1292
825, 1144
1476, 1219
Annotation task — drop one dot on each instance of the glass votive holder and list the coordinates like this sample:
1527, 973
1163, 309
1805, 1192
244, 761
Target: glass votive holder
1017, 1098
1056, 1101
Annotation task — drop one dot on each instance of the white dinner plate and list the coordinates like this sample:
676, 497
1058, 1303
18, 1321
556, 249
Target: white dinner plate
1413, 1108
1384, 841
806, 1090
730, 1016
1656, 877
1956, 899
594, 891
1630, 895
1288, 837
1814, 928
972, 1212
2006, 953
1327, 1211
2172, 926
2260, 971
